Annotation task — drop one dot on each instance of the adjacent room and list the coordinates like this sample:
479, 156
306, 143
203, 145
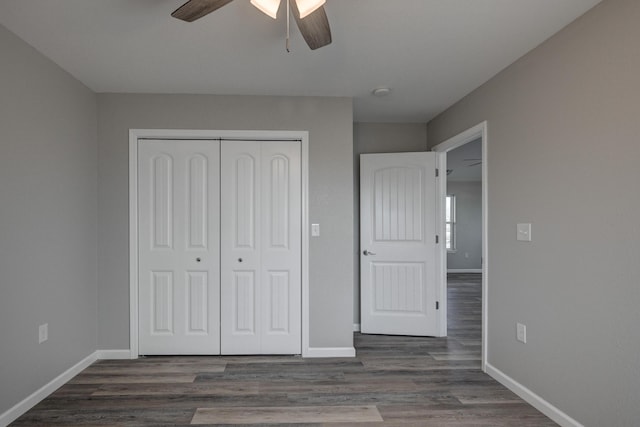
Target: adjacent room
363, 212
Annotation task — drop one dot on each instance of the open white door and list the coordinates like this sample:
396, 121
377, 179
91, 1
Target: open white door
398, 269
179, 258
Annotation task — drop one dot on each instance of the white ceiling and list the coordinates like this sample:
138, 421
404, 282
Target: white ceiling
430, 52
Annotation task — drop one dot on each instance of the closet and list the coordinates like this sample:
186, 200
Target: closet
219, 247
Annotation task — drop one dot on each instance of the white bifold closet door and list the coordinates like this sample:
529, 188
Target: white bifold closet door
260, 247
179, 258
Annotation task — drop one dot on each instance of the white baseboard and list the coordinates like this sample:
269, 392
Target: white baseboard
356, 327
533, 399
330, 352
113, 354
36, 397
464, 270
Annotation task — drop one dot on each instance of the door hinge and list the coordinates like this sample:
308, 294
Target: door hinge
437, 239
437, 173
437, 305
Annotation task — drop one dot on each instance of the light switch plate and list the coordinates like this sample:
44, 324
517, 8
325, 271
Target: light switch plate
315, 230
43, 333
524, 232
521, 333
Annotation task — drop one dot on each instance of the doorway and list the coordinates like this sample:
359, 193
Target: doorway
471, 147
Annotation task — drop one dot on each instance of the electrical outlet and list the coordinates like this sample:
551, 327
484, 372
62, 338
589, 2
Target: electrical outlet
315, 230
524, 232
43, 333
521, 333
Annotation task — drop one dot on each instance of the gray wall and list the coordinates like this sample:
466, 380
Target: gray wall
563, 153
329, 122
468, 254
48, 219
378, 138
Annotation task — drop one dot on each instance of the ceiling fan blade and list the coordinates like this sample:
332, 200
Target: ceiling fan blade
314, 27
196, 9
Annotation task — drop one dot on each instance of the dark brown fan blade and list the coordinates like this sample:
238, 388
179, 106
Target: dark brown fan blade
196, 9
314, 27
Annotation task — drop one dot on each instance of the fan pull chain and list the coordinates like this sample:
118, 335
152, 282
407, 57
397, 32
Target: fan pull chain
287, 46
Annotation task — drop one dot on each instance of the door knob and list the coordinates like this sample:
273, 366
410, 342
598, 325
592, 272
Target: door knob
367, 253
239, 259
198, 259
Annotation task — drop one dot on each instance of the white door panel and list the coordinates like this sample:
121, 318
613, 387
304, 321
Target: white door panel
398, 248
178, 247
261, 246
240, 243
281, 273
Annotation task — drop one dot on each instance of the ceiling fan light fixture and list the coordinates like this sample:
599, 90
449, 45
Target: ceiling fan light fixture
307, 7
268, 7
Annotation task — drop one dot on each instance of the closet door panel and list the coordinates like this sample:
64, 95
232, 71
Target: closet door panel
261, 247
240, 247
281, 248
179, 258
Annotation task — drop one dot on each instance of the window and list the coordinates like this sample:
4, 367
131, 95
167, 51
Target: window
450, 217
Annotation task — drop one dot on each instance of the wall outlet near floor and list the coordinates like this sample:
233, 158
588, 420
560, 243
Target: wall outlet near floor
521, 333
524, 232
43, 333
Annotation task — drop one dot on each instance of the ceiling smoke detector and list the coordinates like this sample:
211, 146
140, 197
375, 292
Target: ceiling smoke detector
381, 92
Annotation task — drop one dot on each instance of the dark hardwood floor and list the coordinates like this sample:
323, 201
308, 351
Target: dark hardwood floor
407, 381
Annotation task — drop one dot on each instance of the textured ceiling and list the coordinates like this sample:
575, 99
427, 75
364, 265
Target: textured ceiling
430, 52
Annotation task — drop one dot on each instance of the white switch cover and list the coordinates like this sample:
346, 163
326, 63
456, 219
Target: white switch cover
524, 232
315, 230
521, 333
43, 333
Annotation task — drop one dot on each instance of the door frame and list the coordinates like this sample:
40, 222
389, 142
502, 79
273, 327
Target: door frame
140, 134
478, 131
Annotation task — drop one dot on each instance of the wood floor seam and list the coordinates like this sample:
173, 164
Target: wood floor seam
288, 415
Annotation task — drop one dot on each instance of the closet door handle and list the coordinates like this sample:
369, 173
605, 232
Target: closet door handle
367, 253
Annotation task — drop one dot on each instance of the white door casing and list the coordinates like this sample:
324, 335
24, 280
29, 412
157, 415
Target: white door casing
261, 246
137, 137
480, 131
398, 218
179, 259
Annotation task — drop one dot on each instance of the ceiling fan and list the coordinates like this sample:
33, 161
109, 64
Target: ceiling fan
474, 162
309, 15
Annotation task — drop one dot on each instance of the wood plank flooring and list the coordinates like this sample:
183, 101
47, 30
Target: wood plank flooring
394, 381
